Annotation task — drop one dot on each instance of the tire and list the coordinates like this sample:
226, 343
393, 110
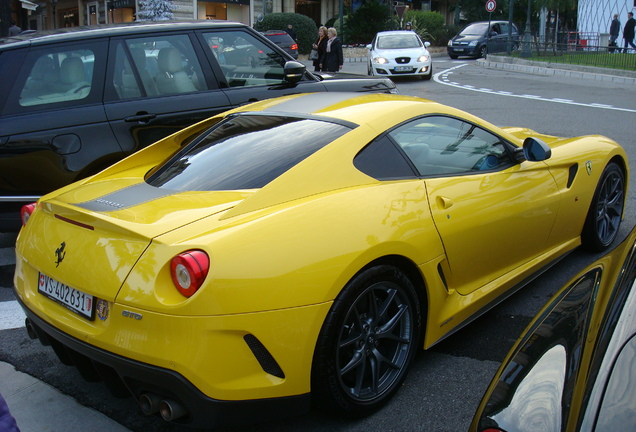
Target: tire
453, 56
369, 69
483, 50
356, 337
606, 210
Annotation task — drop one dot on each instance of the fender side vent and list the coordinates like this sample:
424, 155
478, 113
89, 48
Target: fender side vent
265, 359
572, 174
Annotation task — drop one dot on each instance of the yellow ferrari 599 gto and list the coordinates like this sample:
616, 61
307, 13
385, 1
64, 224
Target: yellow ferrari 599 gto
300, 248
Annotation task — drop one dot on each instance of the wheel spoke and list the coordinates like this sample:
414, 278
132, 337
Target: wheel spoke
356, 361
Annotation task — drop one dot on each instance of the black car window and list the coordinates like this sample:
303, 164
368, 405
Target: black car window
57, 76
439, 145
244, 59
156, 66
383, 161
244, 152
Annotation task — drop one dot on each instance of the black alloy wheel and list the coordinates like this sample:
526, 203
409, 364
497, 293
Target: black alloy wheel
367, 343
605, 213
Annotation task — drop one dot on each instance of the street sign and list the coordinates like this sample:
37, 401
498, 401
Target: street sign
491, 5
400, 9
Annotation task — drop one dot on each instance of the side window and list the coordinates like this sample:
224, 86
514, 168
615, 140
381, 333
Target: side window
383, 161
156, 66
445, 146
57, 75
245, 60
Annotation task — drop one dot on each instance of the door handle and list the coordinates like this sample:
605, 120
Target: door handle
140, 117
444, 202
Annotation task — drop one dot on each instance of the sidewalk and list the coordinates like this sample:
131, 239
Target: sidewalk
358, 65
38, 407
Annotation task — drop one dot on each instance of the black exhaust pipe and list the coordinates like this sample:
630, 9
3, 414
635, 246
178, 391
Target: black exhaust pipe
30, 330
171, 410
149, 403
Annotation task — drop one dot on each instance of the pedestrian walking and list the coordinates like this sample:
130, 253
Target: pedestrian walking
14, 30
291, 32
319, 47
615, 29
628, 31
332, 59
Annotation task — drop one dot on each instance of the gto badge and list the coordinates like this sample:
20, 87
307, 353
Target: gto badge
588, 167
102, 309
60, 253
129, 314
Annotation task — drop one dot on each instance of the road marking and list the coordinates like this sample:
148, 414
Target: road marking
11, 315
442, 77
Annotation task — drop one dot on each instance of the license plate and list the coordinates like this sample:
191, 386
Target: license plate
77, 301
403, 68
459, 49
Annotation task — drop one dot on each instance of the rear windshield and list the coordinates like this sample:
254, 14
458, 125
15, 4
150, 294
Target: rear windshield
244, 152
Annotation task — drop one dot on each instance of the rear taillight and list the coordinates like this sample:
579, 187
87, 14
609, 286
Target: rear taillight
294, 47
26, 212
188, 271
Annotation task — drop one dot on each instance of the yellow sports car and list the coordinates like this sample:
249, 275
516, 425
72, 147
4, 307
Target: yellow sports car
303, 246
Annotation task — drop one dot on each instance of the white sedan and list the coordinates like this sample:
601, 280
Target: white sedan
399, 53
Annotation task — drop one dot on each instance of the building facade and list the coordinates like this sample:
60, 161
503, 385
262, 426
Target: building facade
52, 14
595, 16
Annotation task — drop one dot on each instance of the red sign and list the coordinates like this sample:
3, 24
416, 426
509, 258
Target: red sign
491, 5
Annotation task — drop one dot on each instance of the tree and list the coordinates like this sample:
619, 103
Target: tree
305, 27
370, 18
155, 10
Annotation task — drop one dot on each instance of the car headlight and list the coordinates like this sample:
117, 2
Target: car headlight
473, 43
450, 42
380, 60
422, 58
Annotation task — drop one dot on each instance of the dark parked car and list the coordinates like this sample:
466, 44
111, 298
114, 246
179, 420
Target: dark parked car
283, 40
74, 101
574, 368
475, 40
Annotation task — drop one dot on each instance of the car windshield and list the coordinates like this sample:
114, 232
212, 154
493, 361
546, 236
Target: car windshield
244, 152
407, 40
475, 29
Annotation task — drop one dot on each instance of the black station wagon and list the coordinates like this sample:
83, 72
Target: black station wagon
74, 101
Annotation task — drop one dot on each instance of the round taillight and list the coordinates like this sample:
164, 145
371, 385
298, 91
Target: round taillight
26, 212
188, 270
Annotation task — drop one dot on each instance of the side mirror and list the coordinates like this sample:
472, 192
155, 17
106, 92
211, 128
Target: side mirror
294, 71
427, 44
369, 46
534, 150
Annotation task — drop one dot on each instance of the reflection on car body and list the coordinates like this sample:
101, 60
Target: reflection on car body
574, 368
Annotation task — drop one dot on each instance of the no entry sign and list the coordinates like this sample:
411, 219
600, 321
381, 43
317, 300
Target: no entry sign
491, 5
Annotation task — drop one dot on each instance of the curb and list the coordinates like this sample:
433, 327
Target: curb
548, 69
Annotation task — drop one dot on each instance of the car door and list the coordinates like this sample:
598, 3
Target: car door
492, 214
250, 68
53, 126
158, 84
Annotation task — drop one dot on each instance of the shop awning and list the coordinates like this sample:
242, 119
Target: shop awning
28, 5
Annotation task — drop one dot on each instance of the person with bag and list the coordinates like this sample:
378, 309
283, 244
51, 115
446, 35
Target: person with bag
318, 48
333, 59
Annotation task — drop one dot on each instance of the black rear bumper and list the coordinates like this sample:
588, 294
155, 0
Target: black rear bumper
125, 377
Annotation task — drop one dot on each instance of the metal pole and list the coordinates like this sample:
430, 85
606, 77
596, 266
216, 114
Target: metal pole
526, 51
342, 20
509, 44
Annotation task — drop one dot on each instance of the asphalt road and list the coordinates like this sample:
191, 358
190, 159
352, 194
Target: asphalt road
446, 383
